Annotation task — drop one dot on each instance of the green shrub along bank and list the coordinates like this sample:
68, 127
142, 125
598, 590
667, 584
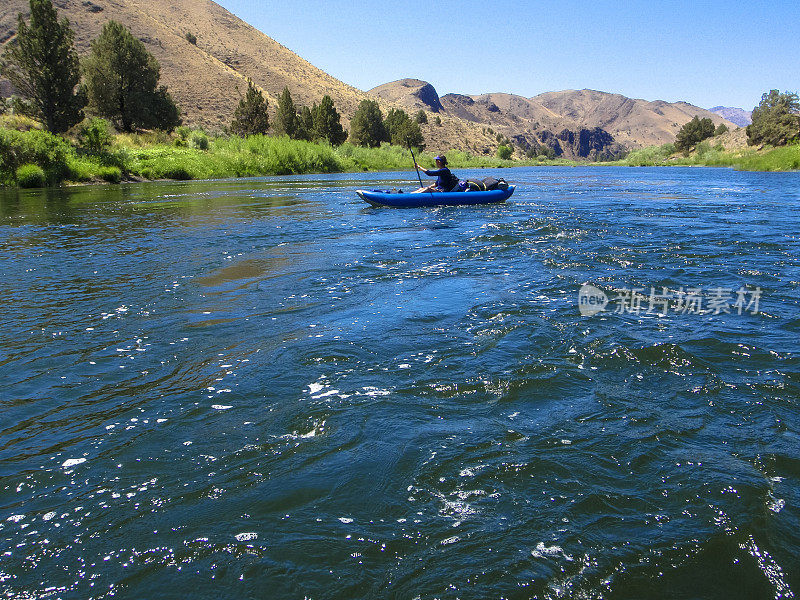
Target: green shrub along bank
783, 158
31, 176
193, 154
97, 156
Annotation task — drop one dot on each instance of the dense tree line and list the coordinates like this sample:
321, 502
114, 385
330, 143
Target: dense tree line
369, 128
320, 123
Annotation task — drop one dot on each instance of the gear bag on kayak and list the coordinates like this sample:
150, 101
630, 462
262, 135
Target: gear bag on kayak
486, 184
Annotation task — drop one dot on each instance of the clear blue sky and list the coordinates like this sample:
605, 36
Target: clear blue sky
706, 52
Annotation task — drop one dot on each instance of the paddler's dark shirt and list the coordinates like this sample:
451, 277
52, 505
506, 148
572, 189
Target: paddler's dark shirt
443, 178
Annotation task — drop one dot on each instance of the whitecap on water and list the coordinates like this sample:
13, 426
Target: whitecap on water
246, 536
450, 540
71, 462
221, 406
775, 504
325, 394
542, 551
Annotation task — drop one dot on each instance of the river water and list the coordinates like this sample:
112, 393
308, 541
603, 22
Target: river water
263, 388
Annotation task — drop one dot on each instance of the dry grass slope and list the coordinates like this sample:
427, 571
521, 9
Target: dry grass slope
207, 79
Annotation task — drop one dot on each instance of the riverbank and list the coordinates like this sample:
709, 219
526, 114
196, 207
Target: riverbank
784, 158
36, 158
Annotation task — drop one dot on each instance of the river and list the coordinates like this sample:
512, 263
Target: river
263, 388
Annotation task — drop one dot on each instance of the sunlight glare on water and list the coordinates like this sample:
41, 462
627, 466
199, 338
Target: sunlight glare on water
263, 387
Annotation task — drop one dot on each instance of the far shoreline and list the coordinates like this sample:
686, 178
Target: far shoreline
52, 161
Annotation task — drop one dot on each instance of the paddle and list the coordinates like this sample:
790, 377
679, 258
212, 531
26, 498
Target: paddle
415, 166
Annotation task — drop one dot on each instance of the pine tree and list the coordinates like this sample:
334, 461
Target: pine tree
286, 121
305, 120
122, 82
394, 118
407, 134
402, 130
327, 122
776, 119
251, 116
694, 132
367, 128
43, 66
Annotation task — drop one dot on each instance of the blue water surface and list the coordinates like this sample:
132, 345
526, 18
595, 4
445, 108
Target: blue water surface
263, 388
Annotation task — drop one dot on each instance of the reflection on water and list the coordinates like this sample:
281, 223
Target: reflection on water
263, 387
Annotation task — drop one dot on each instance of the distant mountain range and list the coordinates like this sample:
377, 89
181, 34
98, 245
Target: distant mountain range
737, 116
553, 118
207, 78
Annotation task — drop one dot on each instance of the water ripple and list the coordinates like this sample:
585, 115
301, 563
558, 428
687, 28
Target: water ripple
251, 385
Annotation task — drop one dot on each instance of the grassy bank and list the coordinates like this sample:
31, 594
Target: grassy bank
785, 158
36, 158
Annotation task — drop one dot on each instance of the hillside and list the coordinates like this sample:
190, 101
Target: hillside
634, 123
208, 79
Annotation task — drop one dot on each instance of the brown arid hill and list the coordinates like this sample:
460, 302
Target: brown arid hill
412, 94
733, 139
632, 123
208, 78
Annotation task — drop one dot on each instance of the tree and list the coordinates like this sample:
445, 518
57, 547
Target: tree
422, 117
251, 115
394, 118
775, 119
504, 152
402, 131
43, 66
367, 128
693, 132
121, 79
721, 128
327, 122
95, 135
408, 133
305, 123
286, 121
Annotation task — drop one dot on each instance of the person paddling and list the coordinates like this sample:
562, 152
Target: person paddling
445, 180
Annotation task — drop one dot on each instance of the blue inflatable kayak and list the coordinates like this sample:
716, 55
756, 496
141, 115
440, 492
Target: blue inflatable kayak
379, 198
